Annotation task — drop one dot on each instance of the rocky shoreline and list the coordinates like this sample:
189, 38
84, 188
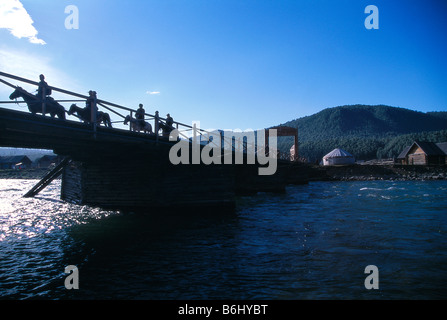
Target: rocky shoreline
378, 172
312, 173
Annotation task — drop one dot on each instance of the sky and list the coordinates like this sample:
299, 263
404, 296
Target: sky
232, 64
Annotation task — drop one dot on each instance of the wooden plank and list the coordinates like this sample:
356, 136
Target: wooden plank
47, 179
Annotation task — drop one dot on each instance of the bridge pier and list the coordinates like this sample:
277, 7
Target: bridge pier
147, 184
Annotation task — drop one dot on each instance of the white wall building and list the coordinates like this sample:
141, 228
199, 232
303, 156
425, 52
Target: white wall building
338, 157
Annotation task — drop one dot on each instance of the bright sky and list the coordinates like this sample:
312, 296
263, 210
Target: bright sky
232, 64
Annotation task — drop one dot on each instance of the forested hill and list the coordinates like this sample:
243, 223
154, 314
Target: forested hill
365, 131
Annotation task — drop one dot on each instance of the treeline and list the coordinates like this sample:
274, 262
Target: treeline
394, 146
368, 132
362, 148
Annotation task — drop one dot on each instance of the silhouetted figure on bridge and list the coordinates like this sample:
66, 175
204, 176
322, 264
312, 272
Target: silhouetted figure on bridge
168, 126
43, 90
139, 115
35, 104
91, 103
85, 115
169, 121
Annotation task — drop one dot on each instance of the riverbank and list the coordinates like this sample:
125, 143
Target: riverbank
34, 173
314, 173
378, 172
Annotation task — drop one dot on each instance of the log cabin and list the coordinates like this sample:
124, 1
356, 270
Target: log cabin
15, 162
424, 153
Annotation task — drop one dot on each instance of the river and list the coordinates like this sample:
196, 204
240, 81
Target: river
313, 242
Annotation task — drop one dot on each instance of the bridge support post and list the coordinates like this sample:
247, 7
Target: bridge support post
156, 125
49, 177
93, 115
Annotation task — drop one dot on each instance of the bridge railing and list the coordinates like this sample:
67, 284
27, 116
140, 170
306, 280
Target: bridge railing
235, 143
99, 102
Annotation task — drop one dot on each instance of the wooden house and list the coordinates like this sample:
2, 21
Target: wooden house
15, 162
424, 153
48, 160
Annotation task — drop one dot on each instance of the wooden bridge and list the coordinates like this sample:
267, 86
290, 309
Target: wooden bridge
120, 169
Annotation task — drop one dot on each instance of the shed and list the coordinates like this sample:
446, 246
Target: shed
403, 155
47, 160
338, 157
443, 147
424, 153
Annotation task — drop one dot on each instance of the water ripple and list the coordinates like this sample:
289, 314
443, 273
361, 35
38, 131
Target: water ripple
311, 243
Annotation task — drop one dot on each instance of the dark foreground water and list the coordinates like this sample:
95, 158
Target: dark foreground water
313, 242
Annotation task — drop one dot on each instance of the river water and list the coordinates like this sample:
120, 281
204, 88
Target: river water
313, 242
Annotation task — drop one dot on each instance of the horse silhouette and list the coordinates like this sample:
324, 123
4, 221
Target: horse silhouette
166, 128
138, 126
85, 114
35, 103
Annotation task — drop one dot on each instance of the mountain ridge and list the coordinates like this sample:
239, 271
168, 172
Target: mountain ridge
364, 130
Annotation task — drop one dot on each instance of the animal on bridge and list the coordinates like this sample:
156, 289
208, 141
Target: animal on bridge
85, 114
137, 125
166, 128
35, 103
